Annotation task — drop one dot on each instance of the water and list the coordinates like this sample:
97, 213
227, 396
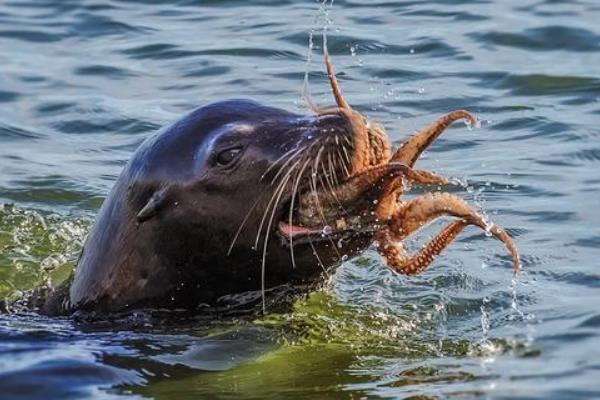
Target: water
82, 83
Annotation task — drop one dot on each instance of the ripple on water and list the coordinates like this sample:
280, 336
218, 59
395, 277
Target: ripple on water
51, 375
592, 242
94, 26
439, 104
445, 16
530, 127
104, 124
586, 155
54, 107
213, 70
591, 322
31, 36
104, 71
544, 38
550, 85
397, 74
157, 51
57, 7
340, 45
52, 351
164, 51
541, 216
429, 375
11, 132
52, 191
7, 96
574, 278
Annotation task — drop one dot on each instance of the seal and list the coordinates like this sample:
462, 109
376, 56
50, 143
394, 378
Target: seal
197, 212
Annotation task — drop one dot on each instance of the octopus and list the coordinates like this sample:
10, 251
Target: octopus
369, 196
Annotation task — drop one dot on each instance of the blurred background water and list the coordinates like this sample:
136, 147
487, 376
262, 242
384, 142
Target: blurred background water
83, 82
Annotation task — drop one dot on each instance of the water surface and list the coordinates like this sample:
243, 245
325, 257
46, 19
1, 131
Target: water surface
82, 83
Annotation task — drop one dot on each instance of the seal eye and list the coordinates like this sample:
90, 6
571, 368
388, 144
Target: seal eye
226, 157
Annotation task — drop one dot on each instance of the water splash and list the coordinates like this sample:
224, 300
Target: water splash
322, 21
36, 246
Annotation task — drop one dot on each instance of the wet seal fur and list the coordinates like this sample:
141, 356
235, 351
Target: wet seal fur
189, 222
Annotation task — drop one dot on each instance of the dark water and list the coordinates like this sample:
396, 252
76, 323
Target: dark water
82, 83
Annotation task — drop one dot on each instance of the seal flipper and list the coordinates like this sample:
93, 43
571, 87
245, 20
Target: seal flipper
153, 205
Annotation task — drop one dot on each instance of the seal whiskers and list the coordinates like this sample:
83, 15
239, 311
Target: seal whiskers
271, 203
287, 154
279, 192
237, 233
299, 176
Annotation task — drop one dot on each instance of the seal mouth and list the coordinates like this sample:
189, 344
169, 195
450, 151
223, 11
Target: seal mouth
304, 217
293, 231
320, 222
297, 234
329, 204
340, 188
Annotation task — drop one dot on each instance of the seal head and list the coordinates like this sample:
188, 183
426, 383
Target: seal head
205, 208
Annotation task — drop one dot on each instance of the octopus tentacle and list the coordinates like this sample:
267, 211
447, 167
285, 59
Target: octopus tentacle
409, 151
397, 259
370, 141
412, 215
361, 157
429, 178
392, 189
418, 176
335, 87
373, 178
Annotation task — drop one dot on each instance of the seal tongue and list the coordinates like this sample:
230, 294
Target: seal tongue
289, 231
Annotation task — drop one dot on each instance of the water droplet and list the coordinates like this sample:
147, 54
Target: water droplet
327, 230
488, 229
